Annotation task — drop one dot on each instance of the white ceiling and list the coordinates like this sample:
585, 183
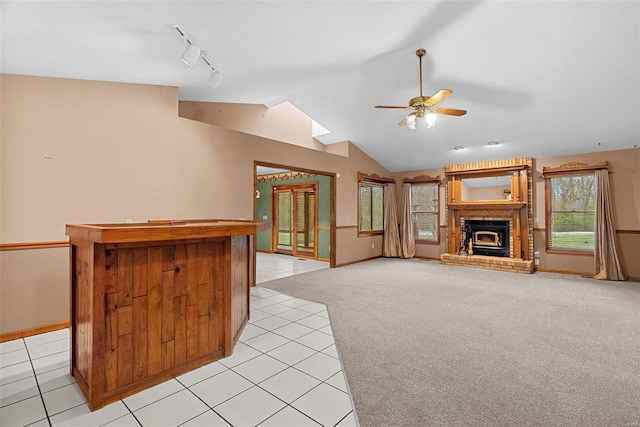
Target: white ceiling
542, 78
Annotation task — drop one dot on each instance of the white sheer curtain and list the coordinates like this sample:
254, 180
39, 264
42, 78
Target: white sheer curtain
406, 225
606, 252
391, 240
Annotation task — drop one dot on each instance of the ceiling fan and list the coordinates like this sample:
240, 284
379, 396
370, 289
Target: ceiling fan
424, 105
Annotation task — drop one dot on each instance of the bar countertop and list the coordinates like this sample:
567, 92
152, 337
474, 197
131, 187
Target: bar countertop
158, 230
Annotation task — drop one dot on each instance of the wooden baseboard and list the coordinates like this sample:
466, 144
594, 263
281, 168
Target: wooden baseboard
576, 273
360, 260
34, 331
324, 259
264, 252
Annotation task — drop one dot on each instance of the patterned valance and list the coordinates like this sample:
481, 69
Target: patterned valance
282, 176
572, 167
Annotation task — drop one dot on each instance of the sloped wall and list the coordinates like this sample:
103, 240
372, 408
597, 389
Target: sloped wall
283, 122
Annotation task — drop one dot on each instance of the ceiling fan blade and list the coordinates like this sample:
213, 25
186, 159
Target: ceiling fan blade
448, 111
392, 106
444, 93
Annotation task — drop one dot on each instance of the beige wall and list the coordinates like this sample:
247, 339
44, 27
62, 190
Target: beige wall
624, 176
486, 193
78, 151
625, 184
34, 288
283, 122
427, 250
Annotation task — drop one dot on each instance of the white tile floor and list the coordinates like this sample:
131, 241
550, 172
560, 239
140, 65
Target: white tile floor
276, 266
284, 371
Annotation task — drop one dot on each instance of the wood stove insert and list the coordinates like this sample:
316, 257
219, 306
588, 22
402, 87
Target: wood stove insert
490, 238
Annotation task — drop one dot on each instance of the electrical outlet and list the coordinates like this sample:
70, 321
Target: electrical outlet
128, 221
373, 245
537, 261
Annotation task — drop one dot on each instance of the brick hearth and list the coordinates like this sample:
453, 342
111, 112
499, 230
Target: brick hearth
515, 265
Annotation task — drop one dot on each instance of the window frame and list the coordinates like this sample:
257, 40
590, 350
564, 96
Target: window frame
424, 181
549, 211
371, 180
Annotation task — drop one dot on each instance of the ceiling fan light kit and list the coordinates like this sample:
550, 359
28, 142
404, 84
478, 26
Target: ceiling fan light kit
192, 53
424, 105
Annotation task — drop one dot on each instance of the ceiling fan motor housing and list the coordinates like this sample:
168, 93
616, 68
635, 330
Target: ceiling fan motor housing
420, 102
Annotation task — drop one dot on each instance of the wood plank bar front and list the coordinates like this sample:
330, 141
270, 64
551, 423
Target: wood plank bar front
151, 301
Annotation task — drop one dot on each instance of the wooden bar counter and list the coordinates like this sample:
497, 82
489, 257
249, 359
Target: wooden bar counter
150, 301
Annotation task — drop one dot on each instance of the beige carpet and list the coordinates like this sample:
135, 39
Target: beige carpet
430, 345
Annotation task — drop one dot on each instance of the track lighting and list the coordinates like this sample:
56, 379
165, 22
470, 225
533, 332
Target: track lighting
193, 53
214, 79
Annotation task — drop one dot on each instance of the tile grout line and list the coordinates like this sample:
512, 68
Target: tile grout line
130, 411
44, 405
343, 418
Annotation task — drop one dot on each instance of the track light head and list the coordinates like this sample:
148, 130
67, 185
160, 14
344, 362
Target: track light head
214, 79
191, 55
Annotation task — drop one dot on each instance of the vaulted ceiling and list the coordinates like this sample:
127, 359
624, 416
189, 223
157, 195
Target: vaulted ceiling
542, 78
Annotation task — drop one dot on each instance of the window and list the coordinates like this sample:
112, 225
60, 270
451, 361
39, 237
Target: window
371, 212
571, 212
424, 212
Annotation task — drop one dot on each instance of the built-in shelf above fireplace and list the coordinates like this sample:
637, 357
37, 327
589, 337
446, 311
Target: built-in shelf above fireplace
515, 251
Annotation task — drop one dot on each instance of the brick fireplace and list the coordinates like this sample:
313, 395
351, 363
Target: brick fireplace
499, 230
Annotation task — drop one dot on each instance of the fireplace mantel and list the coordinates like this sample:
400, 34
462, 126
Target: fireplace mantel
487, 204
518, 210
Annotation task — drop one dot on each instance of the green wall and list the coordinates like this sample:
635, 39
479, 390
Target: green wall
263, 207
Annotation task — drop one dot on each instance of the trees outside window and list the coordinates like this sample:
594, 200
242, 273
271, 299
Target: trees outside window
371, 212
571, 213
424, 212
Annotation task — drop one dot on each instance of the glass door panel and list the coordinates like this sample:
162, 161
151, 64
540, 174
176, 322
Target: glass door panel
305, 222
284, 224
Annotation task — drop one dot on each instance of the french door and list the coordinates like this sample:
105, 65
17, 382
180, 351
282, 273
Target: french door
295, 219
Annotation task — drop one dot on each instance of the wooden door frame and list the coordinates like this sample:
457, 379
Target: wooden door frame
293, 188
332, 200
